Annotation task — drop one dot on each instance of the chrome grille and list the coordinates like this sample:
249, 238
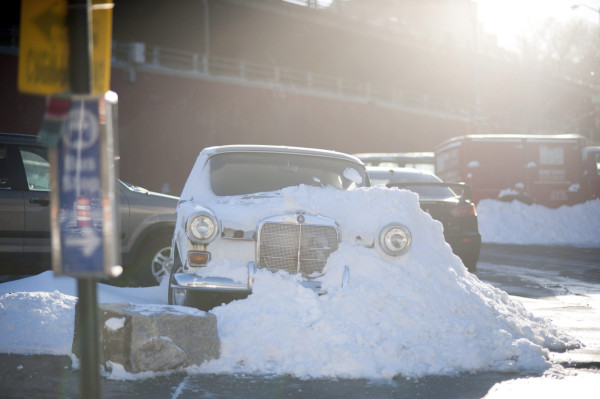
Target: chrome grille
296, 248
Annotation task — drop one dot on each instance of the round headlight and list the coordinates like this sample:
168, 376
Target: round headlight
395, 239
202, 228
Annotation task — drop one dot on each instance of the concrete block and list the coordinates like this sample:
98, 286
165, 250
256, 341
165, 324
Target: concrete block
155, 337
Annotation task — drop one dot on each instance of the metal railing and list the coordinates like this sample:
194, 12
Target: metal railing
138, 56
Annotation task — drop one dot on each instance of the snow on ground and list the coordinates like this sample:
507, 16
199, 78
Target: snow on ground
419, 315
519, 223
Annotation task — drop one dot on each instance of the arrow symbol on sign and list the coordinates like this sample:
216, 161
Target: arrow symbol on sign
89, 242
49, 20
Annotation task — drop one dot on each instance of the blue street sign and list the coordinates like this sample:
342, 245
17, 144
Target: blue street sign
80, 211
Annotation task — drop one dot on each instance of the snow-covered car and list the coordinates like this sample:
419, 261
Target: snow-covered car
245, 208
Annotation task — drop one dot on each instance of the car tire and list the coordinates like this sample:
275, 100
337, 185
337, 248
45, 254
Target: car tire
152, 261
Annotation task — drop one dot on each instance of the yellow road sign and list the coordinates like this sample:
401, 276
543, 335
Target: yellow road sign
44, 46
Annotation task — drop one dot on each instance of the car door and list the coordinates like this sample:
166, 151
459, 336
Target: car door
36, 199
12, 209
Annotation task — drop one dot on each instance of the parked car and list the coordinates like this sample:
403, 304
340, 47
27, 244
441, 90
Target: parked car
147, 219
229, 221
456, 212
417, 160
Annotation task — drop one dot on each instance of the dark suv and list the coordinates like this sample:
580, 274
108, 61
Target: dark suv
147, 219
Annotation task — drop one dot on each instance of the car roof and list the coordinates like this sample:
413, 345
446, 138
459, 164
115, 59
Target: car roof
393, 156
18, 138
210, 151
402, 174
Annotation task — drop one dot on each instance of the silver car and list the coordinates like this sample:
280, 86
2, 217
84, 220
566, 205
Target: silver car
226, 228
147, 219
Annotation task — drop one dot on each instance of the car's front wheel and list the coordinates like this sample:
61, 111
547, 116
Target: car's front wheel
153, 261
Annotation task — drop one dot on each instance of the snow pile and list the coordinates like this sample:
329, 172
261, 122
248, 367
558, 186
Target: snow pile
418, 314
36, 322
390, 320
517, 223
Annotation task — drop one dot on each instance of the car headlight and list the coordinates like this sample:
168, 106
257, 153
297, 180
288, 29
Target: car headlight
395, 239
202, 228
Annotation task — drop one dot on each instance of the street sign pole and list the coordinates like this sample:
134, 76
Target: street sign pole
80, 54
65, 52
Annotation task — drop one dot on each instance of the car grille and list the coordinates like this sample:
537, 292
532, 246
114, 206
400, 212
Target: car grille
296, 248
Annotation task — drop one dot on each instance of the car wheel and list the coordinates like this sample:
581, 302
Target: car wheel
153, 261
160, 264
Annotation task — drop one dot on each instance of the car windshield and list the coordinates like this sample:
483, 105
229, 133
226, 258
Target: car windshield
383, 177
254, 172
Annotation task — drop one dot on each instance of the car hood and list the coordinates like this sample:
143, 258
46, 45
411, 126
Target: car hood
135, 194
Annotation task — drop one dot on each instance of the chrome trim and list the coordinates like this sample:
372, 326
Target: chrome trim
315, 220
295, 220
195, 239
234, 234
393, 226
221, 284
346, 276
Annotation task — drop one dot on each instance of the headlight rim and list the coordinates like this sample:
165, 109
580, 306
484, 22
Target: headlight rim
386, 230
212, 236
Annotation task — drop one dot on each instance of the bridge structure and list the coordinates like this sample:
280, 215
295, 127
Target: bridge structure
219, 72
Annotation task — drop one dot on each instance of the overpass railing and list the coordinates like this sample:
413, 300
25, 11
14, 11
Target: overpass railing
138, 56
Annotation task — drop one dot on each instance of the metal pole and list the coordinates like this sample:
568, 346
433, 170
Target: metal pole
87, 309
80, 60
206, 36
79, 22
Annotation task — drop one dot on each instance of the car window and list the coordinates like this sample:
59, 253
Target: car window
246, 173
427, 192
379, 177
37, 168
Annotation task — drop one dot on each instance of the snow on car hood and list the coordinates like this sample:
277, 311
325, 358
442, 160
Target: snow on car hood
356, 220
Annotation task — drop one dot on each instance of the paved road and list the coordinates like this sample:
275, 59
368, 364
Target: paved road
559, 283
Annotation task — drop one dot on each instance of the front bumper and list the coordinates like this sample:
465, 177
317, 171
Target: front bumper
194, 282
223, 285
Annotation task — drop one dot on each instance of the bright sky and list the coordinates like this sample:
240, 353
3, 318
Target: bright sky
506, 18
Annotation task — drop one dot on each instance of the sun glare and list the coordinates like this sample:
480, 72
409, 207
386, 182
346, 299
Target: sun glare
508, 19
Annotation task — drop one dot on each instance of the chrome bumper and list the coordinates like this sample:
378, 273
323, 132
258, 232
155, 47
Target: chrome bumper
222, 284
217, 284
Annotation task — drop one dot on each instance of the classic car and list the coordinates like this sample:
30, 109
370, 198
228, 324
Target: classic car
239, 213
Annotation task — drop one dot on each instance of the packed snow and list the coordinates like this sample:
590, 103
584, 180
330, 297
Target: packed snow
420, 314
518, 223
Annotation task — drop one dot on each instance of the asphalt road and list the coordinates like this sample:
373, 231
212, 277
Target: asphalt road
561, 283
